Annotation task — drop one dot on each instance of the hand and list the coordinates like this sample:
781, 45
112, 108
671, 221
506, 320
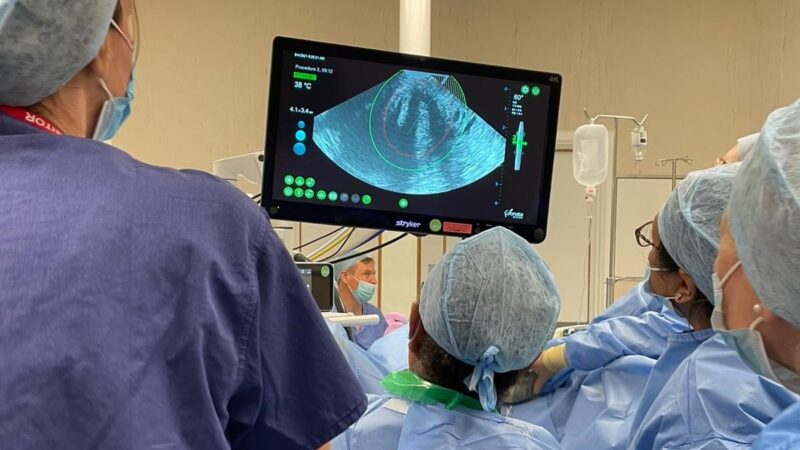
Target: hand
543, 375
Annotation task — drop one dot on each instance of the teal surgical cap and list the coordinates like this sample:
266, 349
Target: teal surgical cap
45, 43
688, 223
764, 214
491, 303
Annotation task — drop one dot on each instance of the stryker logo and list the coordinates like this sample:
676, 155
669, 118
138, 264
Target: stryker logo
407, 224
516, 215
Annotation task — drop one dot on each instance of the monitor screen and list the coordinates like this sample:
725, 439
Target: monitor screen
385, 140
318, 278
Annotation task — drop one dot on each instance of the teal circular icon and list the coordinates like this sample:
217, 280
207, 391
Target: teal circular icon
435, 225
366, 199
309, 194
321, 194
333, 196
300, 181
288, 191
298, 192
325, 271
288, 179
403, 203
310, 182
536, 90
525, 89
300, 135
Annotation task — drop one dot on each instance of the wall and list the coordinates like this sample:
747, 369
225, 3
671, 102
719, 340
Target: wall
707, 72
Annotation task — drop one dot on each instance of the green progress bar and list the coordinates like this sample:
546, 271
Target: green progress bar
305, 76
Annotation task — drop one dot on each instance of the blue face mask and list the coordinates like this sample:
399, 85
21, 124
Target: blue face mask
364, 292
115, 111
747, 342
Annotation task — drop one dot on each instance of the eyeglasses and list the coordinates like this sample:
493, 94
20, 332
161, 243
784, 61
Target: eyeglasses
643, 234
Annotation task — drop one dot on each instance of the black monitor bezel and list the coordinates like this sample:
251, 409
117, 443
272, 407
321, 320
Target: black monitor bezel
337, 215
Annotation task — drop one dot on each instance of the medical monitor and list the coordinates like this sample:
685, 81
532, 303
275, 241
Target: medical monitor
318, 278
391, 141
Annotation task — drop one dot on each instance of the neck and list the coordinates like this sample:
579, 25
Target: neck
350, 303
73, 109
782, 344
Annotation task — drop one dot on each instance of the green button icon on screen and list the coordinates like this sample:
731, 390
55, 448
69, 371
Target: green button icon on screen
333, 196
288, 179
403, 203
366, 199
300, 181
309, 194
536, 90
435, 225
321, 194
298, 192
310, 182
325, 271
525, 89
288, 191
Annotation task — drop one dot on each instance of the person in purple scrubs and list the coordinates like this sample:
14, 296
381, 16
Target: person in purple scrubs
142, 307
357, 282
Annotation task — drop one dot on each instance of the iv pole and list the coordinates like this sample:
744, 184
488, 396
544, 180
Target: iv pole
612, 279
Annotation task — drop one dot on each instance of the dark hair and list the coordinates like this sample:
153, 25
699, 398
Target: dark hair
665, 259
703, 307
439, 367
117, 12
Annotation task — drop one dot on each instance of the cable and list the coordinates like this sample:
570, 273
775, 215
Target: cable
330, 245
256, 197
336, 235
347, 252
352, 230
370, 250
317, 239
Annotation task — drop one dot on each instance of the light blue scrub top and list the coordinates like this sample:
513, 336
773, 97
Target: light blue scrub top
713, 399
634, 303
393, 423
783, 433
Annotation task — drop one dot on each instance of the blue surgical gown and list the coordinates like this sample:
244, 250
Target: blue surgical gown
783, 433
634, 303
368, 370
145, 307
713, 399
392, 350
591, 409
393, 423
597, 409
603, 342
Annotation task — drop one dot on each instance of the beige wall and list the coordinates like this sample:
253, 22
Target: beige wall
707, 71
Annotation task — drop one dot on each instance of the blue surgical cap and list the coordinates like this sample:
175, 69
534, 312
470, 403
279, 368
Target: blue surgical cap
688, 223
45, 43
764, 214
491, 303
746, 143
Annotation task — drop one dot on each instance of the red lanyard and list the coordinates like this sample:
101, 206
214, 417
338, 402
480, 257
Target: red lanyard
32, 119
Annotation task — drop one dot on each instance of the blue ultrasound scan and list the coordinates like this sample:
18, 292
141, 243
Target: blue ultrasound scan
372, 141
413, 133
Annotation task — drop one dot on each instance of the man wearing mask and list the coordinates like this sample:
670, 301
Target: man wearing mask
356, 285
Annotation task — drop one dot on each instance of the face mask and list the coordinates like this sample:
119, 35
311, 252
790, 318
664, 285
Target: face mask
364, 292
747, 342
115, 111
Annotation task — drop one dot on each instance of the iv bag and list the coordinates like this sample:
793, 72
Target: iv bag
590, 155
